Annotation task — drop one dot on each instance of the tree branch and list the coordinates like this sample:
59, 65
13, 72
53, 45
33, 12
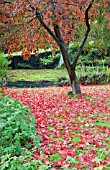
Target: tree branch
55, 26
86, 34
5, 2
39, 16
49, 31
57, 32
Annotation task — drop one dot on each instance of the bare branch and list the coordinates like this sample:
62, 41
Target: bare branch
62, 45
86, 34
49, 31
31, 6
5, 2
55, 25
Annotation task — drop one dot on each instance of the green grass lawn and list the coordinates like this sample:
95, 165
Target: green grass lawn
91, 75
36, 75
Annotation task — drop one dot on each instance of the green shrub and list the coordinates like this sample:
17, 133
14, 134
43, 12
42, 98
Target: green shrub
18, 138
88, 75
85, 61
89, 55
22, 162
24, 66
50, 59
73, 49
93, 75
46, 61
62, 81
94, 53
3, 66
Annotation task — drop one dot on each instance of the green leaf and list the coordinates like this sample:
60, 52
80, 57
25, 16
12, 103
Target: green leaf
108, 138
102, 124
76, 139
65, 168
55, 157
99, 168
70, 159
44, 167
97, 160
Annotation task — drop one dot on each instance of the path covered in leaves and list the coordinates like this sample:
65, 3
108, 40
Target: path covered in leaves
75, 131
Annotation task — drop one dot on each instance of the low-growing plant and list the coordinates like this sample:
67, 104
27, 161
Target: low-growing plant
46, 61
18, 138
24, 66
22, 162
50, 59
62, 81
93, 75
88, 75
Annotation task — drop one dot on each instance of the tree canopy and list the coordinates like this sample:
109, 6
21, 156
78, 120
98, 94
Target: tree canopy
21, 26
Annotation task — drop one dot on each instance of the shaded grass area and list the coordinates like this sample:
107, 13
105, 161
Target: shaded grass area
36, 75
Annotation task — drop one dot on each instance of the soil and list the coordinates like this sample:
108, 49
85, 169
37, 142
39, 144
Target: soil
29, 84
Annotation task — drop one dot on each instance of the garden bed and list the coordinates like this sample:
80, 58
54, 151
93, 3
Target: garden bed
30, 84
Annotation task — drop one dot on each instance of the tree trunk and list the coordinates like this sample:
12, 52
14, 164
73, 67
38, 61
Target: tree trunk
71, 71
64, 50
74, 83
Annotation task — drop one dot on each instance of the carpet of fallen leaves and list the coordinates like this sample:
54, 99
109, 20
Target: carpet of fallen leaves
75, 131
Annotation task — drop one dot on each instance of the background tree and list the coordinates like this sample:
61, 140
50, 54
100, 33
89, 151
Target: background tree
33, 24
99, 34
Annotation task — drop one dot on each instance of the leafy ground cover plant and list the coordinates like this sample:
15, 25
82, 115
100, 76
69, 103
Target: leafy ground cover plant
75, 131
18, 138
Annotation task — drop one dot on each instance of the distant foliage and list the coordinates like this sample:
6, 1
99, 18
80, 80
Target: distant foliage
89, 55
93, 75
51, 59
88, 75
4, 66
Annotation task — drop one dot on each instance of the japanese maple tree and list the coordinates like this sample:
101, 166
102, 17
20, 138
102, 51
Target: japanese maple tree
34, 24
